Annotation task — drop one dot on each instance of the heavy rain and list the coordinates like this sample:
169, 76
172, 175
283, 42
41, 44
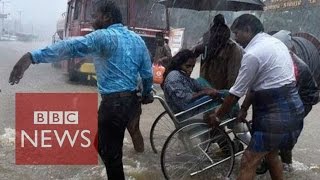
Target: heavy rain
33, 24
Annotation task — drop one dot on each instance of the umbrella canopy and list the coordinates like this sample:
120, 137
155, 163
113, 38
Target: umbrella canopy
216, 5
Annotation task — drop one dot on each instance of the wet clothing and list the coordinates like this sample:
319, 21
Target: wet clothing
286, 156
277, 119
309, 94
120, 56
267, 70
115, 112
118, 53
307, 86
178, 90
261, 69
221, 71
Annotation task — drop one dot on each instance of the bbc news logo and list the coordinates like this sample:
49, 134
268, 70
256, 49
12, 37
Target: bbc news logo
56, 128
55, 117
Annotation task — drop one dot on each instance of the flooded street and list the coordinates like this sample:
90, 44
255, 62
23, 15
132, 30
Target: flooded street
140, 166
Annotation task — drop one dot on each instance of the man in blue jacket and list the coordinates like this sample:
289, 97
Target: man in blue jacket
120, 56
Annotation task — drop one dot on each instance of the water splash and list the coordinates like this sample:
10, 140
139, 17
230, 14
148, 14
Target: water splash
134, 171
315, 167
8, 138
298, 166
126, 141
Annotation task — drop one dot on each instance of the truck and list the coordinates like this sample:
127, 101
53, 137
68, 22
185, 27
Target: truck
146, 18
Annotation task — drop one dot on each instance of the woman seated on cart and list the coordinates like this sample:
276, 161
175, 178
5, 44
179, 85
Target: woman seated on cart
183, 92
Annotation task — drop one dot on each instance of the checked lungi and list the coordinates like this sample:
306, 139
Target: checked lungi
277, 119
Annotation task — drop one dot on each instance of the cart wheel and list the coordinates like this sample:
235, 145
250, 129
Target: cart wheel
196, 151
161, 129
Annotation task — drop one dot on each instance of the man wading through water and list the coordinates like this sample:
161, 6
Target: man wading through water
120, 56
266, 71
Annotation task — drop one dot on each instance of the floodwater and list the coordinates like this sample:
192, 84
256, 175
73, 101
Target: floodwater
139, 166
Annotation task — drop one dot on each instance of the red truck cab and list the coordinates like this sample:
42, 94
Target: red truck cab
146, 18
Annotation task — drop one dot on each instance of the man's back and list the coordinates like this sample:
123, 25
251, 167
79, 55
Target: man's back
122, 56
274, 66
119, 57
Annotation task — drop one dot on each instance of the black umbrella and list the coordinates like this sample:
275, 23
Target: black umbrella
216, 5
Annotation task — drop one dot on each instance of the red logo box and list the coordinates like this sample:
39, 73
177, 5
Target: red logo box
56, 128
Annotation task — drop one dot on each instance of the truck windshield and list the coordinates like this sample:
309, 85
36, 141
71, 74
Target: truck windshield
88, 12
146, 14
150, 15
122, 4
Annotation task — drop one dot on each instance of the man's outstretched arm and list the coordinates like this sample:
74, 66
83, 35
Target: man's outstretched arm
18, 70
63, 50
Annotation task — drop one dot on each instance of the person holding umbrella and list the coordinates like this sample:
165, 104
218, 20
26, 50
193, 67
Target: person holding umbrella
222, 55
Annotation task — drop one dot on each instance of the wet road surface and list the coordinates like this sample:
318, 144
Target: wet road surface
144, 166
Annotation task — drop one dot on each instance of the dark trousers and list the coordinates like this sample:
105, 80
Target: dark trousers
286, 155
115, 112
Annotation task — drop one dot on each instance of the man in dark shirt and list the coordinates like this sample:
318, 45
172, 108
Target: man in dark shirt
307, 88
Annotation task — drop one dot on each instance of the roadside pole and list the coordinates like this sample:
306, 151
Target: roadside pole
2, 16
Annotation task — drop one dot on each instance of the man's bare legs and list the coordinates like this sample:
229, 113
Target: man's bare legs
249, 163
135, 133
275, 165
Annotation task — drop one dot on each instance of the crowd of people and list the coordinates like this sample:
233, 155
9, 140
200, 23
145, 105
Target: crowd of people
275, 81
